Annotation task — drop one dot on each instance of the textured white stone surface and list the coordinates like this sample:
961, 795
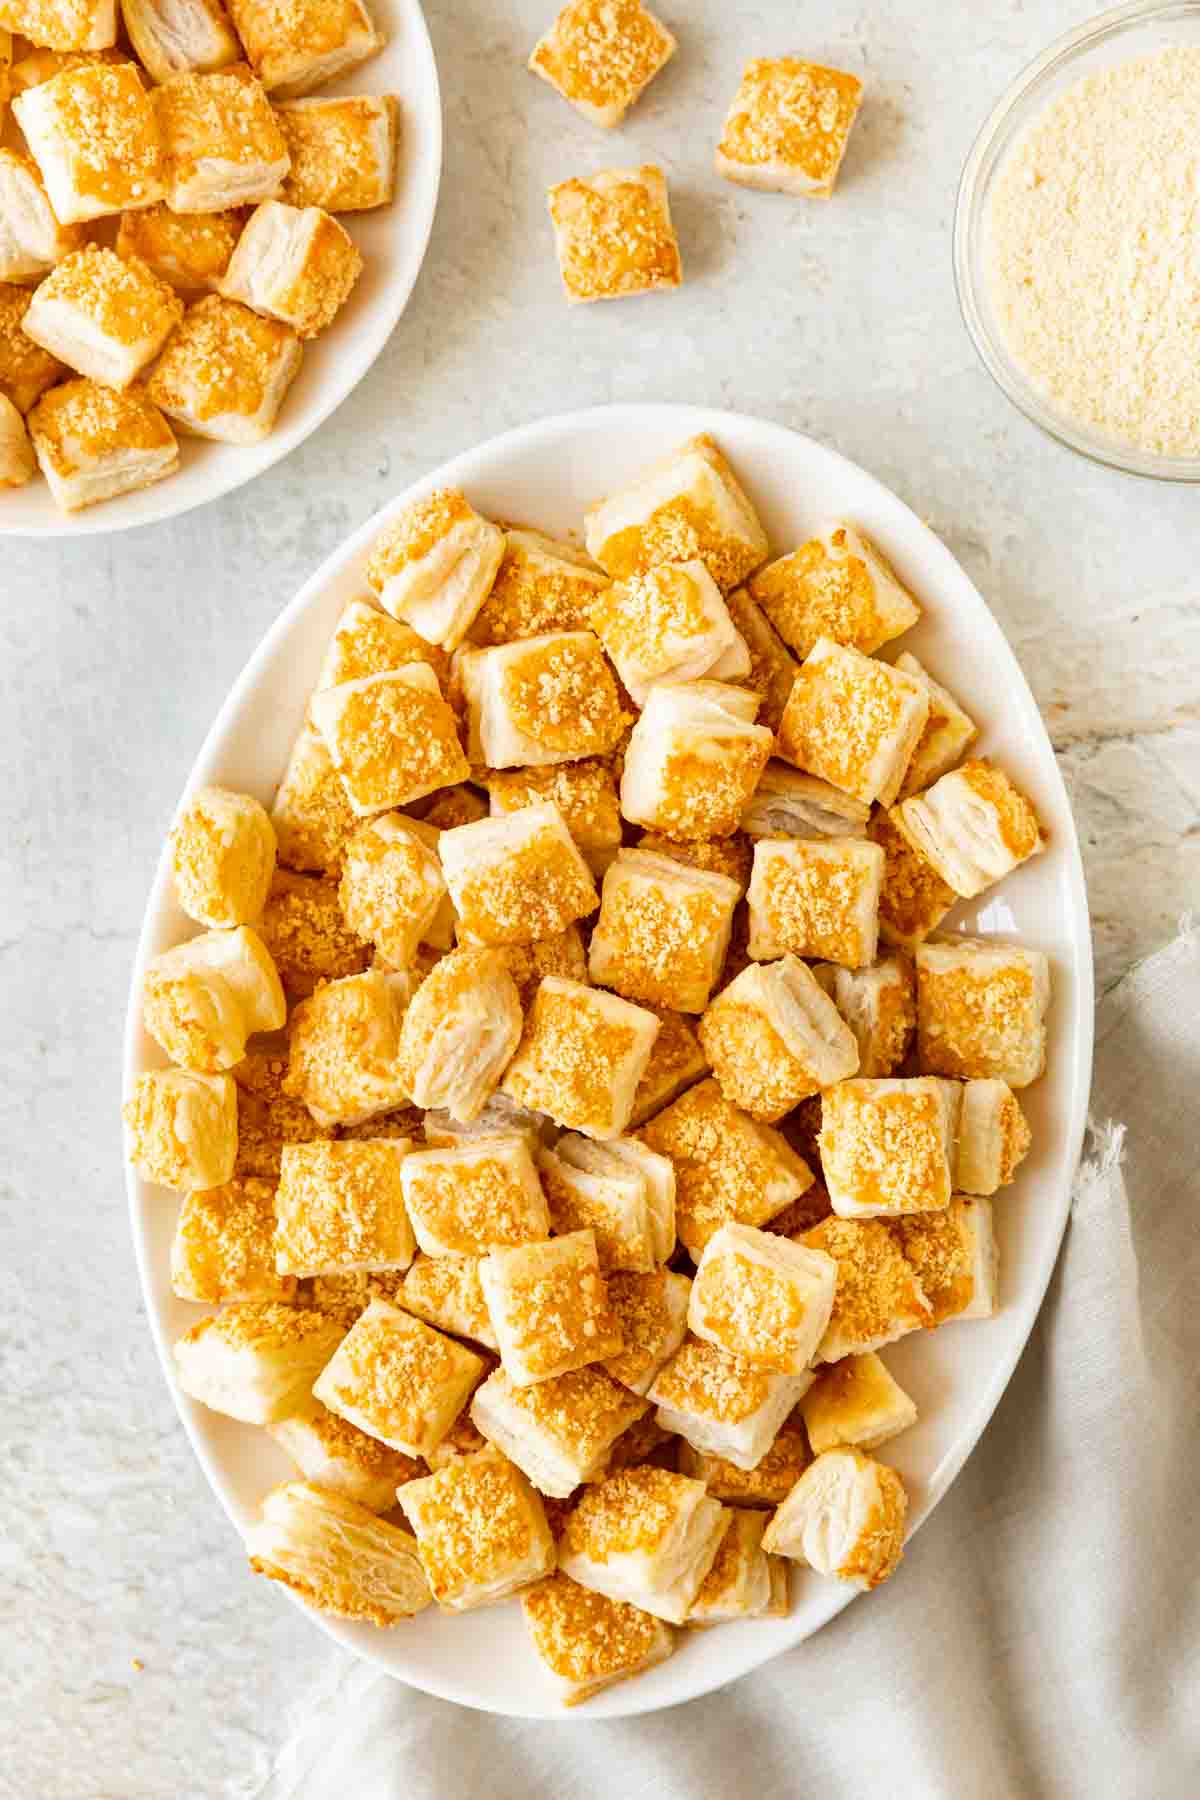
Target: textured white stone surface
838, 319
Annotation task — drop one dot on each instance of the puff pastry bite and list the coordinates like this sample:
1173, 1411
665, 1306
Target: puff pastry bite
694, 759
62, 24
225, 372
255, 1361
954, 1257
614, 236
762, 1298
340, 1459
399, 1380
788, 803
816, 897
344, 1048
836, 586
772, 665
392, 737
973, 825
370, 642
651, 1309
94, 135
342, 150
500, 1118
549, 1307
102, 315
993, 1137
676, 1063
17, 460
224, 1245
305, 930
182, 1128
981, 1010
645, 1536
854, 721
93, 443
312, 814
222, 857
739, 1584
844, 1517
180, 37
26, 370
391, 889
548, 699
475, 1198
601, 55
434, 564
31, 238
856, 1401
293, 263
544, 584
620, 1191
722, 1404
772, 1037
688, 504
914, 899
727, 1166
585, 793
297, 45
878, 1297
670, 624
340, 1208
481, 1531
460, 1033
445, 1292
879, 1004
949, 731
663, 930
768, 1482
267, 1118
732, 857
888, 1145
588, 1642
581, 1057
43, 64
787, 129
204, 998
189, 250
561, 1431
336, 1555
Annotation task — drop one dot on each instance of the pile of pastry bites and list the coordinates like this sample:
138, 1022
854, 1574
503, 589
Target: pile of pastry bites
568, 1093
167, 238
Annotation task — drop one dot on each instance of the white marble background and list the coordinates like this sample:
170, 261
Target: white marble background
839, 320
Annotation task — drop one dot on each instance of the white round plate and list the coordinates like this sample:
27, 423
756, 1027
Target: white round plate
544, 475
392, 240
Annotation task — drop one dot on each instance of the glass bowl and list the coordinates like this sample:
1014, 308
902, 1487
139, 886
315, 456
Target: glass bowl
1112, 37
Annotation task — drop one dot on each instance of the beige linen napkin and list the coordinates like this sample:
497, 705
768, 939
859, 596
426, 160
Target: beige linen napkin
1043, 1635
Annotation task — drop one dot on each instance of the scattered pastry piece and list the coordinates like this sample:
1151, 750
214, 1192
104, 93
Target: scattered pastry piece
772, 1037
255, 1361
392, 737
613, 234
739, 1584
62, 24
297, 45
343, 151
341, 1209
620, 1191
312, 814
222, 857
392, 890
837, 586
857, 1402
460, 1032
94, 443
549, 1307
788, 803
336, 1555
267, 1118
26, 370
676, 1063
948, 733
543, 585
663, 930
854, 721
295, 264
721, 1404
581, 1057
762, 1298
445, 1292
772, 665
370, 642
879, 1004
560, 1432
31, 239
770, 1480
601, 55
182, 1128
844, 1517
787, 129
340, 1459
954, 1257
914, 899
224, 1246
180, 37
434, 564
549, 699
344, 1048
651, 1310
993, 1137
694, 760
93, 133
973, 825
468, 1200
878, 1297
225, 372
587, 1641
688, 504
481, 1531
17, 460
398, 1379
204, 998
816, 898
981, 1010
888, 1146
644, 1536
308, 934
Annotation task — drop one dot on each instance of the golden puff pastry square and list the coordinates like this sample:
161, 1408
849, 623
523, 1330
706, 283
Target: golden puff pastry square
954, 1257
434, 564
663, 930
772, 665
888, 1145
225, 372
787, 130
581, 1057
651, 1310
26, 370
367, 641
688, 504
878, 1297
392, 891
102, 315
267, 1118
203, 999
584, 792
297, 45
474, 1198
62, 24
182, 1128
255, 1361
93, 443
31, 238
339, 1557
620, 1191
670, 624
788, 803
588, 1642
518, 878
879, 1005
601, 55
541, 700
392, 737
772, 1037
312, 814
561, 1431
762, 1298
836, 586
445, 1292
543, 585
307, 933
694, 759
856, 1401
222, 849
613, 234
722, 1404
768, 1482
293, 263
344, 1048
727, 1166
676, 1063
549, 1307
816, 898
398, 1379
739, 1585
844, 1517
644, 1536
993, 1137
340, 1208
340, 1459
342, 149
460, 1032
94, 134
974, 826
981, 1009
914, 899
17, 459
180, 37
854, 721
224, 1245
949, 731
481, 1531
